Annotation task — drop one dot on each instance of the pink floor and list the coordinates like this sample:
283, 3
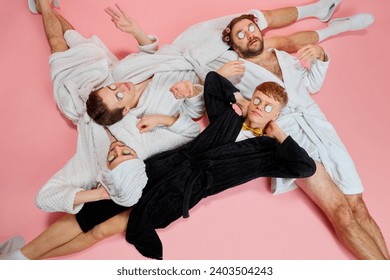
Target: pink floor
247, 222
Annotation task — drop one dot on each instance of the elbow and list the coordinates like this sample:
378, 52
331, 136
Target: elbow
309, 169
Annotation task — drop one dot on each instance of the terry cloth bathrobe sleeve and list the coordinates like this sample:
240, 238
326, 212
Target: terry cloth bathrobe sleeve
166, 67
211, 163
84, 67
75, 73
303, 119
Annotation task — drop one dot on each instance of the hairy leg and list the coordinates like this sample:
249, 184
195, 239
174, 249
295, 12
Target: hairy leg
65, 24
363, 217
322, 9
52, 26
59, 233
111, 227
322, 190
280, 17
292, 43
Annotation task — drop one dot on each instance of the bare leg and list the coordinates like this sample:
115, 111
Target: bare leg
364, 219
52, 26
59, 233
64, 23
111, 227
322, 9
280, 17
322, 190
293, 42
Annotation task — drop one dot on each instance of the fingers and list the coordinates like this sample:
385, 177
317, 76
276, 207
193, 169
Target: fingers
142, 126
306, 53
237, 61
303, 49
175, 92
112, 12
182, 90
310, 52
120, 9
232, 68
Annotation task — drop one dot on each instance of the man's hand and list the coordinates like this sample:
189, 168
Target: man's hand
232, 68
274, 131
310, 52
242, 103
148, 122
184, 89
122, 21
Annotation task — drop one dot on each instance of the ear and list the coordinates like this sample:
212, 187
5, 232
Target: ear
125, 111
275, 116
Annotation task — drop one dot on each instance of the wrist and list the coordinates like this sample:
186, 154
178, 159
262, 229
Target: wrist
169, 120
280, 136
197, 89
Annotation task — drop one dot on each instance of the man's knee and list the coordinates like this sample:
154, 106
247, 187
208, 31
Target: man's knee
102, 231
211, 77
358, 207
342, 216
111, 227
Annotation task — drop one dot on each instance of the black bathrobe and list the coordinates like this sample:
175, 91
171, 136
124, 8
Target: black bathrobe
211, 163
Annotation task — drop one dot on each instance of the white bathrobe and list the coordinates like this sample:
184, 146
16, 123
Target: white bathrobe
86, 66
301, 118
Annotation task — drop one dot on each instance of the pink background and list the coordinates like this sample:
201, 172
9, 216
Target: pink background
243, 223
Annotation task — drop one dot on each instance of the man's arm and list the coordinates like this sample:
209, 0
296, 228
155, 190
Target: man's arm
126, 24
274, 131
319, 61
148, 122
85, 196
60, 192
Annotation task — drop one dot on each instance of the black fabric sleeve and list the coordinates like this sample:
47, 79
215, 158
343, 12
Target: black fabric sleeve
218, 94
294, 159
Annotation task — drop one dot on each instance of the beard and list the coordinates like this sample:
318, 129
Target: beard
251, 51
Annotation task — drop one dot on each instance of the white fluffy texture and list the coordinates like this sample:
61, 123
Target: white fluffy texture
86, 66
125, 182
301, 118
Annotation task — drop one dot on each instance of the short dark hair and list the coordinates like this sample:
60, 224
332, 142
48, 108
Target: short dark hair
227, 32
275, 91
99, 112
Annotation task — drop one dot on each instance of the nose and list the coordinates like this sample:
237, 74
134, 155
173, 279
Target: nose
122, 87
249, 35
117, 151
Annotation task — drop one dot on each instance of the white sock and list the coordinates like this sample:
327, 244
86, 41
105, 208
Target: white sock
15, 255
320, 9
11, 244
340, 25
